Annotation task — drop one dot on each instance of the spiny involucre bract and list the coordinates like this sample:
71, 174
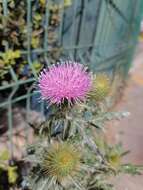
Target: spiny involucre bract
61, 161
100, 87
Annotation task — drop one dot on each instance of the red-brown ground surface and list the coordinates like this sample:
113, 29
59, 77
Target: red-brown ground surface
130, 130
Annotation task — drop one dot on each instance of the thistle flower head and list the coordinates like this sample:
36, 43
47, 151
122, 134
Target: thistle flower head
68, 81
114, 158
100, 87
61, 161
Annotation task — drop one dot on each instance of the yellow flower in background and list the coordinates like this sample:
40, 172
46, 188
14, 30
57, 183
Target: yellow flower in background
12, 174
35, 41
37, 66
42, 2
141, 36
11, 170
61, 161
8, 59
4, 155
67, 3
9, 56
16, 54
114, 158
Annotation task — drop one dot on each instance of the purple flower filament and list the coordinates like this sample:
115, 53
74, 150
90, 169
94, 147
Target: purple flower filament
67, 81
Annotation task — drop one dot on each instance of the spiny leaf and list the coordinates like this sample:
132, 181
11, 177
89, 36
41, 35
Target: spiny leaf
132, 169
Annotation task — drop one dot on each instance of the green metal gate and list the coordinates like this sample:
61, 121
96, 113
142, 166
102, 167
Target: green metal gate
34, 33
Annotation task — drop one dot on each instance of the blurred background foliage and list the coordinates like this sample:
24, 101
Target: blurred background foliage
14, 32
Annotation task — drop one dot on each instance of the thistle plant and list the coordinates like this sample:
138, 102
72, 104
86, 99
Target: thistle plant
68, 153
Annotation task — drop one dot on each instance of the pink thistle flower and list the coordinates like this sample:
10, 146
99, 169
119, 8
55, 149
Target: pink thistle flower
67, 81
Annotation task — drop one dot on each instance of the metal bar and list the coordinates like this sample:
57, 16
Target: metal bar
13, 75
81, 58
40, 51
72, 38
42, 108
4, 104
83, 20
10, 127
99, 30
46, 31
97, 20
116, 8
79, 26
27, 113
20, 82
29, 34
5, 9
61, 22
10, 121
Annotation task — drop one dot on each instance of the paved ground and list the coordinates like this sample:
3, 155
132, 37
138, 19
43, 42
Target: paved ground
130, 130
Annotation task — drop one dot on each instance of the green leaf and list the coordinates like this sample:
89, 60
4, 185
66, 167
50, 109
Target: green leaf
132, 169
